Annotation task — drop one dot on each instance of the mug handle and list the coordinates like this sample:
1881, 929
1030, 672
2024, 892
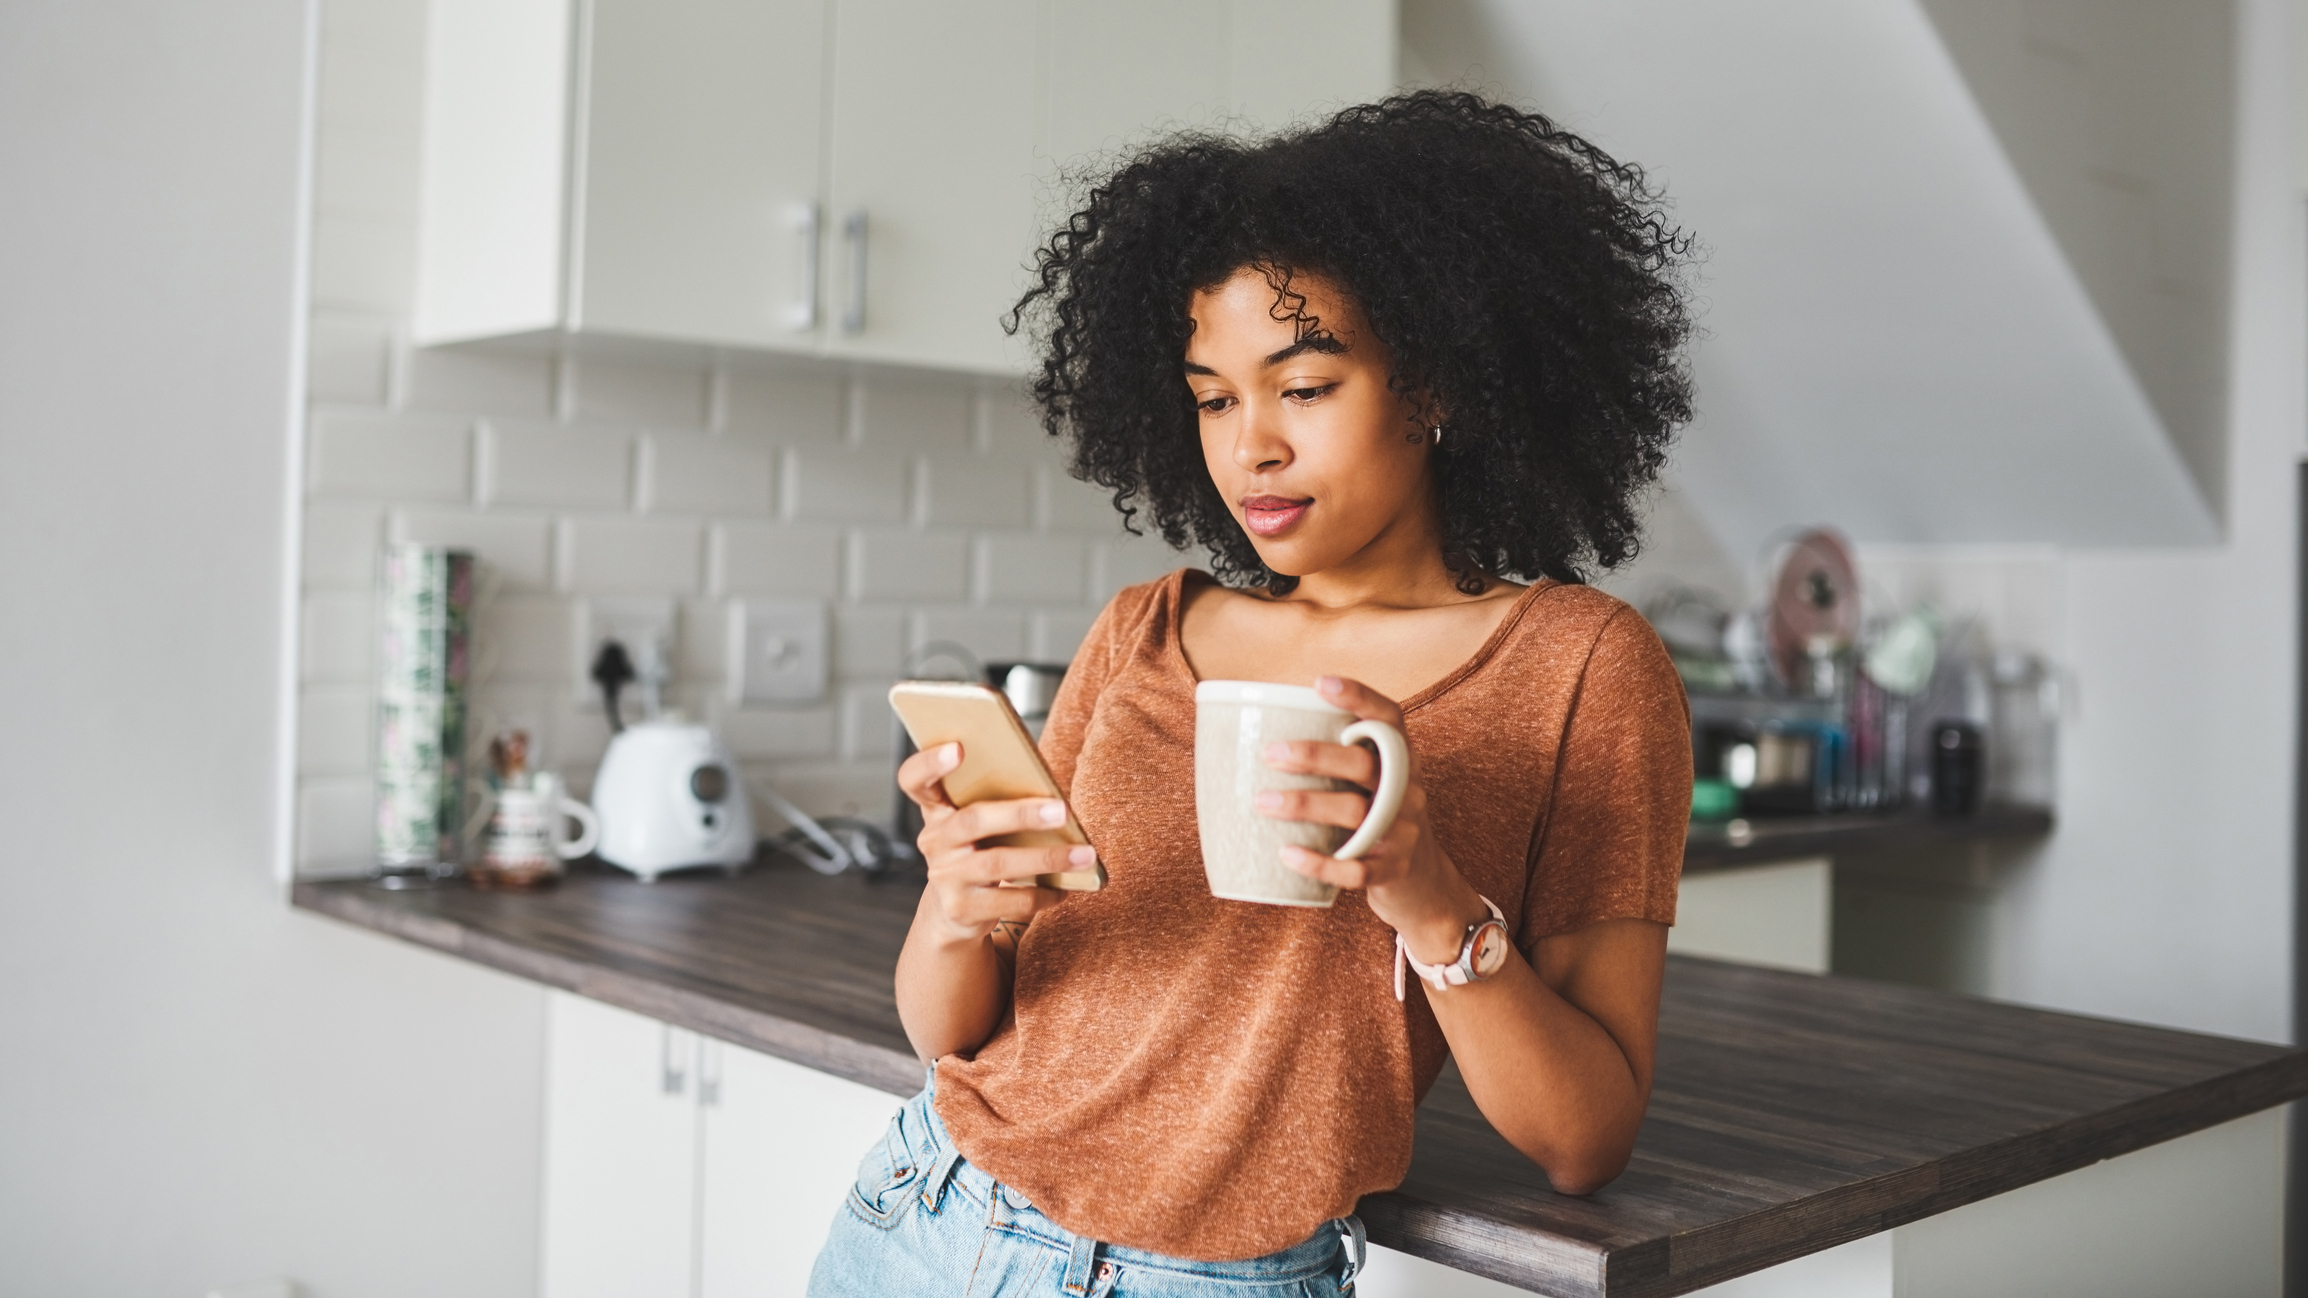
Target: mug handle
590, 830
1393, 779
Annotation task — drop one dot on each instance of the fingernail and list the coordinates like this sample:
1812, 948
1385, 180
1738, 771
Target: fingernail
1278, 752
949, 756
1082, 857
1330, 684
1053, 813
1267, 800
1290, 857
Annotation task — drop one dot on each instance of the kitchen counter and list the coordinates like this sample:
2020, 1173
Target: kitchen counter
1792, 1112
1758, 839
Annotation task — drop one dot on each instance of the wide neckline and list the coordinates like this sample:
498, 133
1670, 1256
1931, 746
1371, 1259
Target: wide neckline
1174, 601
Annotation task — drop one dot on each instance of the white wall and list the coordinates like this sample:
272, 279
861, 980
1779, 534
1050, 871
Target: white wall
199, 1085
2167, 893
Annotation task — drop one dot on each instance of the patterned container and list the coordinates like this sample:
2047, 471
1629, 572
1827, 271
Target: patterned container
424, 632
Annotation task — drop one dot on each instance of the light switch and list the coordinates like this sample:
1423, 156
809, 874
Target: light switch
784, 657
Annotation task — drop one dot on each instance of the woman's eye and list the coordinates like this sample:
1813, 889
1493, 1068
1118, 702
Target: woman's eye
1303, 395
1215, 405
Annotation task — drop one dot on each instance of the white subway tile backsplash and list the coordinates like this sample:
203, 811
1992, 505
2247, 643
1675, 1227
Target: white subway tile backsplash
697, 473
485, 383
667, 396
706, 640
837, 484
991, 634
1029, 568
1006, 422
1127, 562
336, 819
334, 636
376, 456
868, 727
515, 550
863, 788
372, 66
909, 565
778, 559
340, 545
333, 730
784, 407
364, 264
527, 639
614, 556
974, 492
347, 359
766, 733
1067, 504
1056, 634
869, 642
557, 465
889, 414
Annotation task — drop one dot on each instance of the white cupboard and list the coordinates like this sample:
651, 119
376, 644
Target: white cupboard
858, 179
681, 1167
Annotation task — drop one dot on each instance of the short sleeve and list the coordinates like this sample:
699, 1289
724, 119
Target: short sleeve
1611, 845
1103, 648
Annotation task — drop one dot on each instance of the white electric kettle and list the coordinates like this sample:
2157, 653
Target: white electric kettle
669, 798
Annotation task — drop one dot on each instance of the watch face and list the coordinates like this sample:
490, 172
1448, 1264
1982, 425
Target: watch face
1490, 953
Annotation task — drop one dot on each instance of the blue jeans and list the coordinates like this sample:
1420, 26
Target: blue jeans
921, 1221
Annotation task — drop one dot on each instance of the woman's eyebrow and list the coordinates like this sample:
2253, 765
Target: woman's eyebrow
1324, 344
1192, 368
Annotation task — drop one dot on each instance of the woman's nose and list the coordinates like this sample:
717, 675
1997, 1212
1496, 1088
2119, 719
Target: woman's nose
1258, 442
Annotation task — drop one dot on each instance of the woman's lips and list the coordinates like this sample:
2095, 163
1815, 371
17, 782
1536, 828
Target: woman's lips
1270, 515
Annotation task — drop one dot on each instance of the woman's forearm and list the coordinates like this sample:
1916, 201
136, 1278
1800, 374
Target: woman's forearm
1546, 1075
951, 993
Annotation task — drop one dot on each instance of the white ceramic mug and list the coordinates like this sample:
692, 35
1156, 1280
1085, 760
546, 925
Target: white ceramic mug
1234, 721
528, 826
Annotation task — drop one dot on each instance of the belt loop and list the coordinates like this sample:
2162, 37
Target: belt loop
1357, 1250
1078, 1263
941, 1172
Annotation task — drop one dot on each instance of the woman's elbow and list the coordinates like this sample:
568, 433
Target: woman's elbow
1583, 1171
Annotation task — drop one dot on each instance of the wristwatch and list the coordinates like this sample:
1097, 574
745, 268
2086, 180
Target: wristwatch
1482, 954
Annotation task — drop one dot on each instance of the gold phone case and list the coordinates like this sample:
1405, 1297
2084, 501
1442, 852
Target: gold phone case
999, 762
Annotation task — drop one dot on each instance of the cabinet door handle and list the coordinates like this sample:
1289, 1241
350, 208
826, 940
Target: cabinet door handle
673, 1076
853, 234
708, 1072
803, 316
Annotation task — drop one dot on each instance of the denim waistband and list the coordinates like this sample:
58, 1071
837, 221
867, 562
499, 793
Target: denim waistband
924, 1135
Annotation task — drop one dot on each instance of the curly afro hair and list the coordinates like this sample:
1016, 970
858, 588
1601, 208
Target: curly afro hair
1526, 285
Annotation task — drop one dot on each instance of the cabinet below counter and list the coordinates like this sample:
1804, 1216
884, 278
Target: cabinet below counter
1792, 1113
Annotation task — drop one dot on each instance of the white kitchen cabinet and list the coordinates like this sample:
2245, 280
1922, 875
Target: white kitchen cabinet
700, 148
679, 1167
620, 1154
856, 179
780, 1146
932, 170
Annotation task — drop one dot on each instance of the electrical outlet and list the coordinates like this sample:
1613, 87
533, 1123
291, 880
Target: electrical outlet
783, 654
645, 627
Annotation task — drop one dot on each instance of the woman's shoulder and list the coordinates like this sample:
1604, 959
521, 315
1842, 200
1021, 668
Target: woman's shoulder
1567, 628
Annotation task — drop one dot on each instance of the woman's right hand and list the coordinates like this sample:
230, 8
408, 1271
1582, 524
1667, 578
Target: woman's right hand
967, 897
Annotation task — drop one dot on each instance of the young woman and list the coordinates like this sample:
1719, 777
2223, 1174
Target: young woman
1385, 371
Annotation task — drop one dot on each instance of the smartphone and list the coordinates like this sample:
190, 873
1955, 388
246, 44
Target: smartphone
999, 762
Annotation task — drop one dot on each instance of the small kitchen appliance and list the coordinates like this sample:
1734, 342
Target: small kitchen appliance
669, 798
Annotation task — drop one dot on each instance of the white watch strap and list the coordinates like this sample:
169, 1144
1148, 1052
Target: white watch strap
1437, 976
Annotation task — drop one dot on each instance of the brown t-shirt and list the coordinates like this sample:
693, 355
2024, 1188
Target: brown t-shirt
1215, 1079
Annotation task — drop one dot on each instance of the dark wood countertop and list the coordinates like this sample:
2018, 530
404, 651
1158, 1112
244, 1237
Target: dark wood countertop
1791, 1113
1729, 844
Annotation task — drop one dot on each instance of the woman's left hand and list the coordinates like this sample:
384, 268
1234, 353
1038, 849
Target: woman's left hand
1408, 879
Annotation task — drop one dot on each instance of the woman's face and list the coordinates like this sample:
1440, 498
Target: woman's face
1315, 455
